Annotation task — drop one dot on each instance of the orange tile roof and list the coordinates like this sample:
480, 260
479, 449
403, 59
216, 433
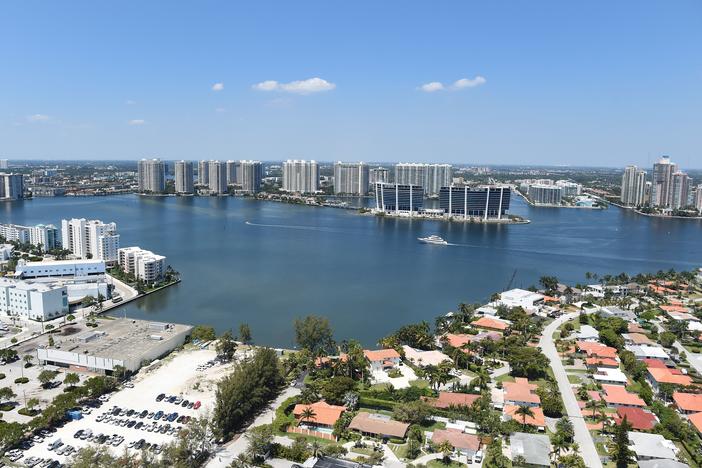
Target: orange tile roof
635, 328
696, 420
655, 363
325, 413
594, 395
666, 376
602, 362
381, 354
457, 439
322, 360
674, 308
639, 418
486, 322
448, 399
520, 390
596, 349
457, 340
639, 338
688, 401
537, 420
617, 395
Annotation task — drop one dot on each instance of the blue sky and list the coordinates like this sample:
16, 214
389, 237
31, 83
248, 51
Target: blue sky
546, 82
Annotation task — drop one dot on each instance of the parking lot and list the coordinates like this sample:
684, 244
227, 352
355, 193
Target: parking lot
183, 376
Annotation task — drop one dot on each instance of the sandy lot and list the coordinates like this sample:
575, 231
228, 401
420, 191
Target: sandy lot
175, 375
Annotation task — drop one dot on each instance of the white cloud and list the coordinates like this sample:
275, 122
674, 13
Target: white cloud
137, 122
431, 87
218, 87
309, 86
38, 118
456, 86
469, 83
129, 102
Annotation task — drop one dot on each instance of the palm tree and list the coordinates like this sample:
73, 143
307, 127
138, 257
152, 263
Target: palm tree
559, 445
315, 447
446, 449
524, 411
591, 404
482, 379
307, 414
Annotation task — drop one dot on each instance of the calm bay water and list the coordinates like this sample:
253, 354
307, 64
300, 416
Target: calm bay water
266, 263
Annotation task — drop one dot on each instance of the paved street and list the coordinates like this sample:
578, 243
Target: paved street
582, 435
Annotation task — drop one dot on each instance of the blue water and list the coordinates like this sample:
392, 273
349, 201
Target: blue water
266, 263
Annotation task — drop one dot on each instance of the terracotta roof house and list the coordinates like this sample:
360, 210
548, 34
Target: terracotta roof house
520, 392
696, 420
658, 376
593, 363
617, 396
655, 363
324, 360
538, 420
639, 418
382, 359
324, 414
449, 399
633, 327
674, 308
465, 444
596, 349
456, 340
636, 339
490, 324
688, 403
378, 425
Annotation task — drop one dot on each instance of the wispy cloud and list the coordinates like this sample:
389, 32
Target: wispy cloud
457, 85
38, 118
218, 87
309, 86
129, 102
137, 122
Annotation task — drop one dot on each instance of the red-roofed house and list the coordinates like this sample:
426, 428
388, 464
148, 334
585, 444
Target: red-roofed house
593, 363
457, 340
696, 420
490, 324
616, 396
538, 420
655, 363
639, 418
596, 349
657, 376
382, 359
466, 444
520, 393
324, 414
688, 403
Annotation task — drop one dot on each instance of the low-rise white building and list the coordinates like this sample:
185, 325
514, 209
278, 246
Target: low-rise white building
605, 375
6, 252
60, 268
120, 342
35, 301
143, 264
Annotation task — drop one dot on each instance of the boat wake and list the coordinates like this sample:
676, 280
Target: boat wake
292, 226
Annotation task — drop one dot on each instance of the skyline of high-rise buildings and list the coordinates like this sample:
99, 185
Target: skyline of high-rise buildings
430, 176
300, 176
669, 187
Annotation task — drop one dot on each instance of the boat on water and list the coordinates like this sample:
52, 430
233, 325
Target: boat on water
436, 240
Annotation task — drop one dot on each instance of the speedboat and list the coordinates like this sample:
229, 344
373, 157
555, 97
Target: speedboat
436, 240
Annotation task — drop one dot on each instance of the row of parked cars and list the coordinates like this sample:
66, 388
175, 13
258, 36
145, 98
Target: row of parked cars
210, 363
15, 455
142, 444
176, 400
86, 434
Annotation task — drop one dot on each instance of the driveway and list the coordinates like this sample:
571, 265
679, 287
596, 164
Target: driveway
582, 435
408, 376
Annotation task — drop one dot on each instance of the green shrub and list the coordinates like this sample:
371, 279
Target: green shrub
377, 403
21, 380
2, 376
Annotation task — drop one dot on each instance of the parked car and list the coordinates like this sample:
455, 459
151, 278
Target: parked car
161, 397
197, 405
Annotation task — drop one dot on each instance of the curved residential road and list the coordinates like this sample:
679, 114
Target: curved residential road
582, 435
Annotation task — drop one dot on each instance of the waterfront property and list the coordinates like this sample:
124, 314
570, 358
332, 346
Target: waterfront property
488, 202
378, 425
90, 239
398, 199
143, 264
60, 268
34, 301
120, 342
46, 236
382, 359
319, 416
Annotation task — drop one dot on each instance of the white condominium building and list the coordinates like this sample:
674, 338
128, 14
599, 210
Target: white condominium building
11, 186
661, 189
300, 176
90, 239
218, 177
633, 187
697, 198
203, 173
680, 190
44, 235
152, 175
4, 163
184, 177
233, 172
249, 176
351, 178
430, 176
35, 301
143, 264
378, 174
541, 194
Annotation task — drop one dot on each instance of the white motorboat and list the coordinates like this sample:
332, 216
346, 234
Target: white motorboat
436, 240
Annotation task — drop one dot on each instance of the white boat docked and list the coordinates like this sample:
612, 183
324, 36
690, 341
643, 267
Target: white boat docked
436, 240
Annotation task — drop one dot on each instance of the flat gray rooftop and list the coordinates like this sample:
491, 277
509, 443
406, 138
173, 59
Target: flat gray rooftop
120, 338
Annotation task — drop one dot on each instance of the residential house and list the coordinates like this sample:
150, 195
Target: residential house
636, 339
378, 425
325, 415
538, 420
450, 399
617, 396
610, 376
424, 358
592, 363
491, 324
591, 349
534, 448
612, 311
520, 393
661, 463
464, 444
651, 446
382, 359
696, 420
649, 352
688, 403
638, 418
657, 376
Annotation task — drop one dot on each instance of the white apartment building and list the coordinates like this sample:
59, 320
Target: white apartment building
184, 181
203, 173
300, 176
680, 190
44, 235
249, 176
151, 175
430, 176
661, 190
6, 251
378, 174
698, 198
60, 268
143, 264
351, 178
633, 187
34, 301
218, 177
11, 186
90, 239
